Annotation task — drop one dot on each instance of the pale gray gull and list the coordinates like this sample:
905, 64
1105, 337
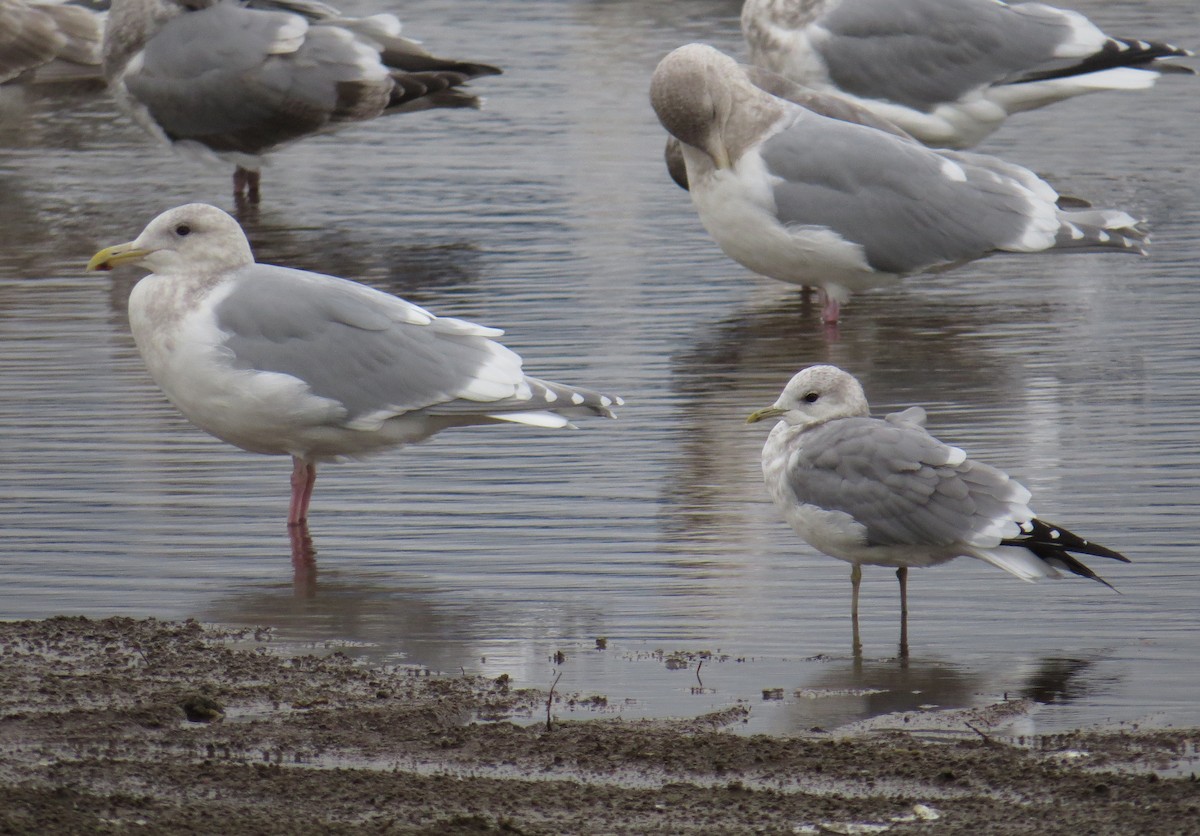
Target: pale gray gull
287, 362
947, 71
239, 79
884, 492
819, 201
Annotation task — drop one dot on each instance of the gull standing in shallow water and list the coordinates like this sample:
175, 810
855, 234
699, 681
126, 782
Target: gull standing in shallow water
812, 199
288, 362
236, 80
947, 71
884, 492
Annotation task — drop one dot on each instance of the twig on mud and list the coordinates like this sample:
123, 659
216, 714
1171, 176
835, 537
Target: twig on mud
698, 679
987, 739
550, 700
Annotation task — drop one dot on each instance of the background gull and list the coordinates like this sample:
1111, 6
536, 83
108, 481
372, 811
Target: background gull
288, 362
883, 492
239, 79
812, 200
49, 41
947, 71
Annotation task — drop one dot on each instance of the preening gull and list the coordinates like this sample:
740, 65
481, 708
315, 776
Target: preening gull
239, 79
837, 107
814, 200
947, 71
288, 362
884, 492
49, 41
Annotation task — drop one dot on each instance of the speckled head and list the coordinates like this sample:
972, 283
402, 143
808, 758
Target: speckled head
816, 395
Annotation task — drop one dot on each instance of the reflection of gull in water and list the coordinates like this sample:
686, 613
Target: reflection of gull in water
237, 80
884, 492
948, 71
287, 362
388, 618
846, 691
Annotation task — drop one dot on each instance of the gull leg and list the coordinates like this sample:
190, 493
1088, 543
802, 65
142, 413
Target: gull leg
245, 182
831, 311
902, 576
855, 580
304, 476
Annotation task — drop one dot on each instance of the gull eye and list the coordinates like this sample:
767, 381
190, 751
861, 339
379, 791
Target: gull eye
811, 397
182, 230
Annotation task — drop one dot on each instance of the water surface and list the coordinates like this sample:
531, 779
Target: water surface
549, 214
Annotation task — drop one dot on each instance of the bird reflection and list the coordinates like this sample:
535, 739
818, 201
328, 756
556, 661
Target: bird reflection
1058, 680
852, 690
387, 619
304, 561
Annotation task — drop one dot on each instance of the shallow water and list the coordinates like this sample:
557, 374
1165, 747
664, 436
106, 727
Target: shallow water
549, 213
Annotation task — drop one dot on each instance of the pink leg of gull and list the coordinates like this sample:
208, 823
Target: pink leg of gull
829, 313
304, 476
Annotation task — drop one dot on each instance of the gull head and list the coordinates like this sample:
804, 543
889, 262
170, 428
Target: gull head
693, 93
814, 396
196, 239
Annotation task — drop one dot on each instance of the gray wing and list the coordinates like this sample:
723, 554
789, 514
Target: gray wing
908, 207
246, 79
371, 352
921, 53
904, 486
241, 79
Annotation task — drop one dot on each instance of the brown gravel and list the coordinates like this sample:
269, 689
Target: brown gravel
95, 737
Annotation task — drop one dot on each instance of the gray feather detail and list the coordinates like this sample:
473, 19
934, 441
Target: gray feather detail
897, 481
962, 44
364, 349
544, 396
890, 196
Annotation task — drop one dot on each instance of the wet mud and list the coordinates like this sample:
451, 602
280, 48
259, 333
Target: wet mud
123, 725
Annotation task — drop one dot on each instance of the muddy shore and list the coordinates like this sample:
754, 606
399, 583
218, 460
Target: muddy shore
123, 725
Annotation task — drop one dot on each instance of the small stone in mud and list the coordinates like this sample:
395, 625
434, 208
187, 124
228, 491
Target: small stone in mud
198, 708
772, 693
559, 657
601, 643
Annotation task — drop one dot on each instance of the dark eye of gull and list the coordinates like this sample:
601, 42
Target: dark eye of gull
182, 230
811, 397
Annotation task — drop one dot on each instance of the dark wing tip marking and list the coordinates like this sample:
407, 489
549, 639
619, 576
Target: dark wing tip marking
1057, 547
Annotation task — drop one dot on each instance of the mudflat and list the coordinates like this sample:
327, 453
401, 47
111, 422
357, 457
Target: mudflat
143, 726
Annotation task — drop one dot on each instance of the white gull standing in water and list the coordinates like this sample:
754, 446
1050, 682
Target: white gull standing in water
810, 199
884, 492
287, 362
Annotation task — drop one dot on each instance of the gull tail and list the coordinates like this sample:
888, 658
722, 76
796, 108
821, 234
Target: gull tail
1056, 547
1117, 53
1093, 230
